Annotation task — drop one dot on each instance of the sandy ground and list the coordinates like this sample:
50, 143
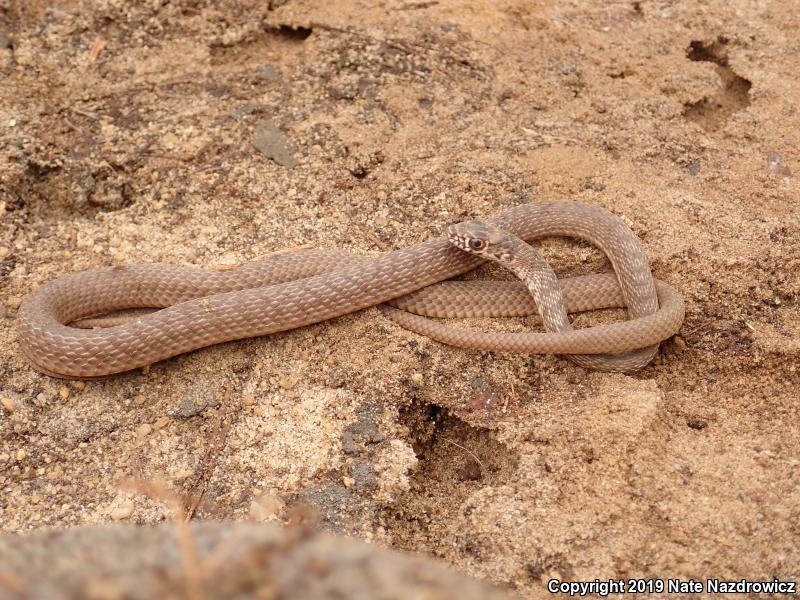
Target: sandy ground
150, 132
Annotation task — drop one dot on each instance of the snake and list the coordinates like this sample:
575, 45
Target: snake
199, 307
509, 251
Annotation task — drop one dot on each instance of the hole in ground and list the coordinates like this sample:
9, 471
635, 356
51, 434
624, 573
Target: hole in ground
712, 112
455, 461
294, 32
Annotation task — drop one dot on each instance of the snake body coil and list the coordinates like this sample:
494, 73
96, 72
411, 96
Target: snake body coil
201, 307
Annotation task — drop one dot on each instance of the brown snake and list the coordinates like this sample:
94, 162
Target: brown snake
201, 307
486, 241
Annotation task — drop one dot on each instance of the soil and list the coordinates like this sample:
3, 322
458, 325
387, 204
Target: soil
211, 133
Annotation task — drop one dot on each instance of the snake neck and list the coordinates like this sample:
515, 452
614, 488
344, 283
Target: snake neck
532, 269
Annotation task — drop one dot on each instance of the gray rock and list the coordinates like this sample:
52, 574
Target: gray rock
274, 144
226, 560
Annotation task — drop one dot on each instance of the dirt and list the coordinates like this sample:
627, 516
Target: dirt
211, 133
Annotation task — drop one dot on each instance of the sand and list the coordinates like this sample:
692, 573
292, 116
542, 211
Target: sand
211, 133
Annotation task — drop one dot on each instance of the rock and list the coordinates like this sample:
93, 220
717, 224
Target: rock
234, 560
274, 144
8, 403
195, 402
269, 73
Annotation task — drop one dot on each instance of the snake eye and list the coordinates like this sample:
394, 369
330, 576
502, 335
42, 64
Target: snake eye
477, 244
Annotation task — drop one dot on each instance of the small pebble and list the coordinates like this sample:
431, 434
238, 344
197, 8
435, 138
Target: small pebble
697, 424
416, 378
483, 401
288, 382
8, 403
778, 165
274, 144
269, 73
196, 402
143, 430
265, 507
123, 511
63, 392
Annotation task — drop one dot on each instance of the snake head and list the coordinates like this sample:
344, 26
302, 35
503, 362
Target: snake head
478, 237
